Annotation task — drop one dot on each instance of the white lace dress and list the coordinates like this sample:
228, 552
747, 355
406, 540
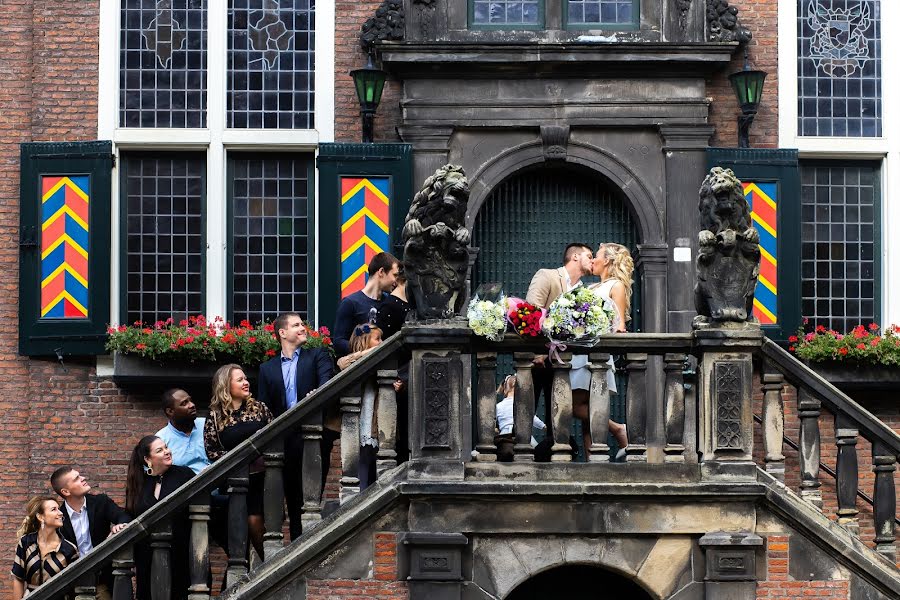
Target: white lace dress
580, 375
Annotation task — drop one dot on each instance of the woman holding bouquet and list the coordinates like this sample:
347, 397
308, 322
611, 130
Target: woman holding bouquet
614, 265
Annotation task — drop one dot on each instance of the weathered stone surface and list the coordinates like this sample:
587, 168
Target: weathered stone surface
666, 564
807, 562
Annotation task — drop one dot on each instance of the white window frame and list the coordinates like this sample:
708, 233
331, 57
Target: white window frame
215, 140
885, 148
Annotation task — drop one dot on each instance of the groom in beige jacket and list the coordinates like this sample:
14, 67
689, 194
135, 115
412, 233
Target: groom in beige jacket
549, 284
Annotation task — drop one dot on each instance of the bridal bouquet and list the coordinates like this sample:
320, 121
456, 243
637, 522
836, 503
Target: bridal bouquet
526, 319
578, 316
486, 318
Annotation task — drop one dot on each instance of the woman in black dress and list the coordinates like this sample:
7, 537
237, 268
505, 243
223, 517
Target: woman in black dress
234, 416
152, 477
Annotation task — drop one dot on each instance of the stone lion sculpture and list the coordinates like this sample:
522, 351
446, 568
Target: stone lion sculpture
728, 259
435, 252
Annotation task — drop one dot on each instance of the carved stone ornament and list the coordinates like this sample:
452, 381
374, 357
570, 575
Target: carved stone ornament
436, 244
683, 7
722, 23
729, 387
437, 402
555, 139
425, 2
387, 24
728, 258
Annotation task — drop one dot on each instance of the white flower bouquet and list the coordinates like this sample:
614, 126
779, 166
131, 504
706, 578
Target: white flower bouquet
578, 316
487, 318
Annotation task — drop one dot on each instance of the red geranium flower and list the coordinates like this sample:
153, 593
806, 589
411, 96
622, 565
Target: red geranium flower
252, 339
873, 326
860, 346
843, 351
141, 346
792, 338
270, 353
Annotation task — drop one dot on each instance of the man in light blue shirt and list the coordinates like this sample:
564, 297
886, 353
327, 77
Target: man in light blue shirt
184, 433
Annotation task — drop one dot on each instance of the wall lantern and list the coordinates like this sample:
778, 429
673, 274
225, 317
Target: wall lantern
748, 87
369, 82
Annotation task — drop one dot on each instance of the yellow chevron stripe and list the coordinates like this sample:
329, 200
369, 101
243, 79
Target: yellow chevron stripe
58, 299
768, 284
764, 310
364, 212
768, 256
62, 239
64, 267
365, 183
64, 209
755, 188
353, 277
363, 240
59, 184
763, 224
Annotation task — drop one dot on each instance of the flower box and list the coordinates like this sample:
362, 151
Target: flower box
129, 369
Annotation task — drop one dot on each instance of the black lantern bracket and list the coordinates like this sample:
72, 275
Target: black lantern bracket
369, 84
748, 87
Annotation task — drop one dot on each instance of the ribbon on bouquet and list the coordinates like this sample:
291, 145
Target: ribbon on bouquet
555, 349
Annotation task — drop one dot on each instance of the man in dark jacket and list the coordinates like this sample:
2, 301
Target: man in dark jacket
283, 382
88, 519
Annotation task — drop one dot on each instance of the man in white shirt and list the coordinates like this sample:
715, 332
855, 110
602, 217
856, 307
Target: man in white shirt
184, 432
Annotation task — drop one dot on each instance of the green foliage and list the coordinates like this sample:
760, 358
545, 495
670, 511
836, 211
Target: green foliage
196, 340
863, 345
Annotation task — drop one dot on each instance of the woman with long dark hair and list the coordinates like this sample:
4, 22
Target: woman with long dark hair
234, 416
42, 551
152, 477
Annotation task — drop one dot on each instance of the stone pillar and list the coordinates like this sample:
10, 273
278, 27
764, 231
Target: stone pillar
730, 564
431, 564
440, 399
725, 399
684, 147
653, 266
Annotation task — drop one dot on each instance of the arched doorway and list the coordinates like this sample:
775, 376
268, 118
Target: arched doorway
525, 224
579, 582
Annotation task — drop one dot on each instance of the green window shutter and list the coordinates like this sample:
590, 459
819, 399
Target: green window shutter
64, 247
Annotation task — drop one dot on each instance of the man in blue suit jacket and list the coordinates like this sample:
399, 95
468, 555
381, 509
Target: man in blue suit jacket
283, 382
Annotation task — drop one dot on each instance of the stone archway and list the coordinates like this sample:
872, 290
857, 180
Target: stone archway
580, 582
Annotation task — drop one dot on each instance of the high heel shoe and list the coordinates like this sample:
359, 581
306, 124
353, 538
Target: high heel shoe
621, 453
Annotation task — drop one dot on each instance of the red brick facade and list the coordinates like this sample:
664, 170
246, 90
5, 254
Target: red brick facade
384, 585
778, 585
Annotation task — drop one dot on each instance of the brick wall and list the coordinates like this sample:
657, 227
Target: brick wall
778, 584
761, 17
382, 586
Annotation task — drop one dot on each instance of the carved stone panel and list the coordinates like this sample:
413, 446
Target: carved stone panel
728, 382
436, 389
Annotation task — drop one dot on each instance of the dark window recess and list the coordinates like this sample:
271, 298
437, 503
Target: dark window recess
163, 219
839, 68
841, 236
270, 235
506, 12
271, 64
162, 73
605, 12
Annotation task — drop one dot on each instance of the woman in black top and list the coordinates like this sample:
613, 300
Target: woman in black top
42, 551
152, 477
234, 416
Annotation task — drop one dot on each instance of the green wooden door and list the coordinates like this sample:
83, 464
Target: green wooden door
526, 222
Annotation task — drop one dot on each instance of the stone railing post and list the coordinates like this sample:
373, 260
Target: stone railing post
847, 472
273, 503
311, 477
122, 572
523, 406
86, 587
808, 409
561, 410
773, 423
487, 406
350, 409
884, 463
599, 406
636, 408
387, 421
199, 515
440, 396
238, 485
161, 562
674, 450
725, 398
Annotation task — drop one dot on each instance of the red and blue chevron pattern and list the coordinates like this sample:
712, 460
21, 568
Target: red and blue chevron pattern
64, 246
763, 200
365, 216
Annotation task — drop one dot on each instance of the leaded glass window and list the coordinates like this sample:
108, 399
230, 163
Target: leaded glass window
840, 237
271, 63
162, 57
839, 68
270, 221
506, 13
164, 244
602, 12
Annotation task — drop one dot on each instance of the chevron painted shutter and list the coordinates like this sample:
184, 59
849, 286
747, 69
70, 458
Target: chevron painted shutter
64, 247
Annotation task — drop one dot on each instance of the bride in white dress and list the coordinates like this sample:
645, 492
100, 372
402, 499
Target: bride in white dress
614, 265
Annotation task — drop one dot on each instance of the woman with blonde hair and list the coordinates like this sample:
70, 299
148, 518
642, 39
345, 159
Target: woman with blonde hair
614, 266
234, 416
42, 551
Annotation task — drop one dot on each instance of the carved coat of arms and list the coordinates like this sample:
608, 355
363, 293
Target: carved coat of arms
839, 45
